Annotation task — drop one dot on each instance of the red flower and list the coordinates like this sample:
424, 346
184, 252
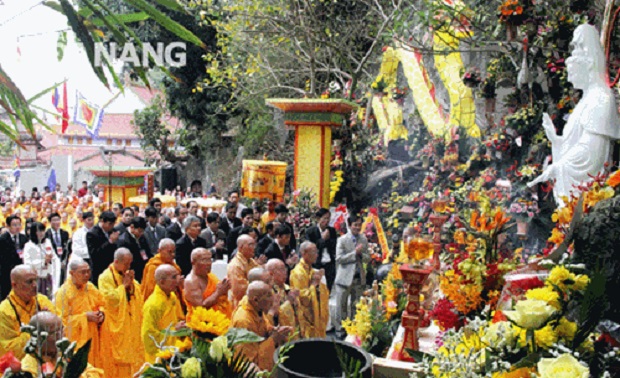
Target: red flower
446, 315
9, 361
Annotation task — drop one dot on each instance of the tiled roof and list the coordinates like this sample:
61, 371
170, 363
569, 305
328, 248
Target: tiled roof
90, 156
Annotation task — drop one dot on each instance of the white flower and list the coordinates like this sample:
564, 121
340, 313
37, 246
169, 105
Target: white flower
565, 366
530, 313
219, 349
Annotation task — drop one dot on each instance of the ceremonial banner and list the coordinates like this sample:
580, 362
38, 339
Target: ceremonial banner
88, 115
374, 218
263, 179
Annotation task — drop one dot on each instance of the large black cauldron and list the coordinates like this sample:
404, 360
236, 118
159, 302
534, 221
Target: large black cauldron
317, 358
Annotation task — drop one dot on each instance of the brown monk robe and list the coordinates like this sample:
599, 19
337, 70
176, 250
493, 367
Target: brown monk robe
250, 316
289, 309
239, 268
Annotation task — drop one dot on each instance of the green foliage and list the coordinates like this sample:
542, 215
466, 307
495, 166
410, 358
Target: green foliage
242, 336
18, 108
78, 362
599, 250
153, 134
350, 366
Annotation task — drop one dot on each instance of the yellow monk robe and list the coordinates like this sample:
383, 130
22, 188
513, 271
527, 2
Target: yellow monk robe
124, 355
314, 305
159, 312
72, 305
289, 313
13, 313
148, 276
237, 273
260, 353
31, 365
222, 305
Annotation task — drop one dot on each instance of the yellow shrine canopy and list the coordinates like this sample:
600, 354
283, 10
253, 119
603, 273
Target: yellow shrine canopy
167, 201
263, 179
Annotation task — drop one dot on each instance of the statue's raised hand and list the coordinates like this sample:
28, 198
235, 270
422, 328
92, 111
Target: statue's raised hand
549, 127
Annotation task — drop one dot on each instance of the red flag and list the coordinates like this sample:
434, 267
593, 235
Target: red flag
65, 108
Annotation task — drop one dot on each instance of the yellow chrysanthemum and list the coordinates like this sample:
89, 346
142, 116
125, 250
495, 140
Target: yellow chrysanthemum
565, 280
208, 321
546, 294
566, 329
362, 322
581, 282
545, 337
559, 276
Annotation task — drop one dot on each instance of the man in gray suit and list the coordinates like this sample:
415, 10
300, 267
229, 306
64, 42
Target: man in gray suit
154, 232
351, 254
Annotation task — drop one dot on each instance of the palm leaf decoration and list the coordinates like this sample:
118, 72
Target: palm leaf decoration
18, 109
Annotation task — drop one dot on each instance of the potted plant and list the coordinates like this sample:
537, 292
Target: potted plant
471, 77
523, 209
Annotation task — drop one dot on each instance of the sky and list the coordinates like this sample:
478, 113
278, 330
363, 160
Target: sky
34, 32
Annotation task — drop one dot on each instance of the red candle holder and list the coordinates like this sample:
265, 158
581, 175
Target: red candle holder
413, 317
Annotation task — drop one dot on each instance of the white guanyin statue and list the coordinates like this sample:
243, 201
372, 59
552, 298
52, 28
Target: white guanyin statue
585, 145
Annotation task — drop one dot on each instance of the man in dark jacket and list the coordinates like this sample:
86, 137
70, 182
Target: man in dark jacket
60, 240
188, 243
133, 239
280, 248
325, 238
101, 242
154, 232
11, 252
281, 214
229, 220
175, 230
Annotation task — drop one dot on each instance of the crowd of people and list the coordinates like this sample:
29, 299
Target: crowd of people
119, 276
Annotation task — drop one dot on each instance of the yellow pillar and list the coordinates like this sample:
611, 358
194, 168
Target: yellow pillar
313, 120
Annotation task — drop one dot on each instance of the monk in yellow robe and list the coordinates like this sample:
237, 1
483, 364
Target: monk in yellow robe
161, 311
239, 267
124, 355
202, 288
80, 306
289, 308
22, 303
249, 316
52, 324
165, 255
313, 294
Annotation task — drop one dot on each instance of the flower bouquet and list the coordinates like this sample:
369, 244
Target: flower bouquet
550, 333
204, 350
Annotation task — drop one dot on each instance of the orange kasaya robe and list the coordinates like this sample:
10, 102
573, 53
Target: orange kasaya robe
314, 301
237, 273
160, 312
260, 353
222, 305
13, 313
72, 305
148, 276
124, 355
